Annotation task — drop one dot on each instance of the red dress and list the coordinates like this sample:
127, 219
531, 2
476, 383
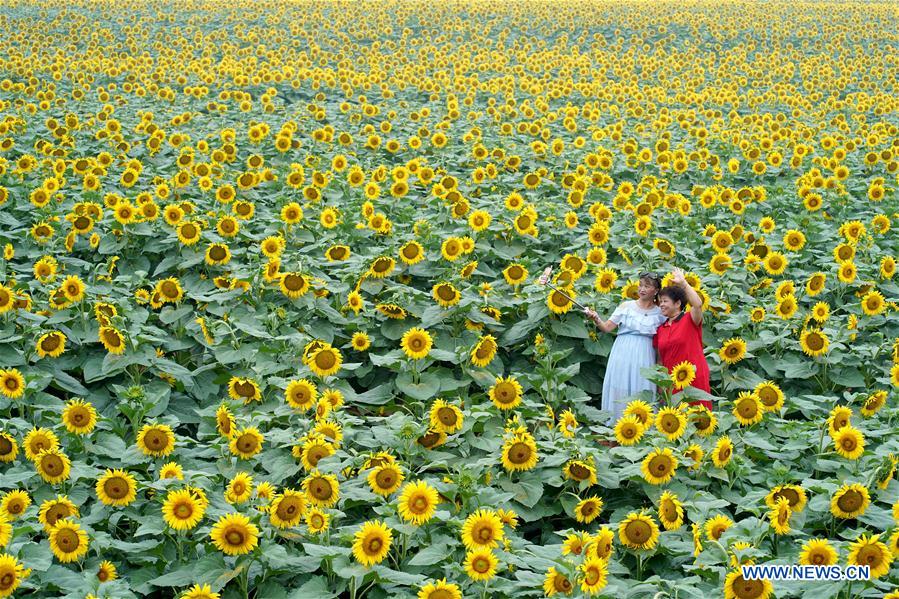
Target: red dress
681, 340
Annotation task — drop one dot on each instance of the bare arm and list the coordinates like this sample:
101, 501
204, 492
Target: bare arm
606, 326
693, 297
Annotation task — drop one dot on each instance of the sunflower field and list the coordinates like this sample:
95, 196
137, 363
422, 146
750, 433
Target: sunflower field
272, 326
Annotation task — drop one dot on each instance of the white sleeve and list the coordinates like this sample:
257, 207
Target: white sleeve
619, 312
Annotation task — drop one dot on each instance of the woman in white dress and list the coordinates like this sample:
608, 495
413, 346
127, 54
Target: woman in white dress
636, 321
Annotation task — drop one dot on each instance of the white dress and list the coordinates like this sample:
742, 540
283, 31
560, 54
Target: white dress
631, 351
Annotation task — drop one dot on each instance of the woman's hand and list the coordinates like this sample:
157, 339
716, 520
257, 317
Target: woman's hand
592, 315
678, 278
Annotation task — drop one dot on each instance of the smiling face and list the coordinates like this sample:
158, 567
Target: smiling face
647, 289
669, 308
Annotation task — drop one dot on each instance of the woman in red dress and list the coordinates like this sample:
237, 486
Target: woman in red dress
680, 337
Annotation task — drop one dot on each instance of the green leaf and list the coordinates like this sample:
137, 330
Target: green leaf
430, 555
425, 389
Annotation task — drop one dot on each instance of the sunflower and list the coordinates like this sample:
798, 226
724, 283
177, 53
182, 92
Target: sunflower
587, 510
224, 421
638, 531
874, 403
873, 303
641, 410
322, 490
849, 442
671, 422
287, 509
682, 375
37, 440
14, 504
715, 526
51, 344
171, 470
629, 429
116, 488
416, 343
79, 417
445, 417
484, 351
53, 465
733, 350
381, 267
12, 573
391, 311
770, 395
234, 534
445, 294
54, 510
112, 340
418, 502
847, 272
870, 551
671, 511
301, 394
519, 453
659, 466
12, 383
601, 545
200, 591
68, 541
293, 284
814, 342
737, 587
73, 288
106, 571
817, 552
181, 510
775, 263
558, 303
240, 488
246, 443
482, 530
385, 479
440, 589
594, 576
580, 471
723, 452
156, 440
480, 564
794, 494
779, 516
325, 361
850, 501
748, 409
314, 449
506, 393
372, 542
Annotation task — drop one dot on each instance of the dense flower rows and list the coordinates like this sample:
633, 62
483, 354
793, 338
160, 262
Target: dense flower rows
271, 325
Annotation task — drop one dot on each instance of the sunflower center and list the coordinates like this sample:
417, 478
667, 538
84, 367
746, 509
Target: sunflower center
637, 532
116, 487
245, 389
189, 230
481, 565
321, 490
156, 439
505, 393
660, 465
288, 508
484, 533
629, 431
50, 343
670, 423
850, 501
519, 453
747, 408
445, 293
15, 507
848, 444
579, 472
669, 510
558, 299
112, 338
67, 540
325, 359
815, 341
374, 545
234, 537
748, 589
419, 504
183, 511
385, 479
294, 282
447, 416
52, 465
247, 443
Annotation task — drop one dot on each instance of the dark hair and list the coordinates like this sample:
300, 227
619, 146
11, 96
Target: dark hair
675, 293
651, 276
